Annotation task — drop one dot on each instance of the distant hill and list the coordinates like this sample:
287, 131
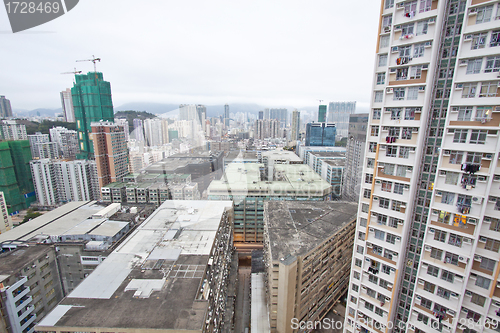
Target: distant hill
36, 112
32, 127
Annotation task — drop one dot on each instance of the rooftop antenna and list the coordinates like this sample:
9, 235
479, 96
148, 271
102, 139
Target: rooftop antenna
94, 60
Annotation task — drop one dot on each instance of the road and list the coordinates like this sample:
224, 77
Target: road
242, 308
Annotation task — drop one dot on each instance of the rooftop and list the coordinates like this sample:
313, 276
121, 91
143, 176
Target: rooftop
333, 154
241, 155
13, 261
280, 154
55, 222
155, 274
297, 227
291, 179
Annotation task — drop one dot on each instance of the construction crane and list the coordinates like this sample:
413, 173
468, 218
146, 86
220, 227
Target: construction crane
73, 72
320, 101
94, 60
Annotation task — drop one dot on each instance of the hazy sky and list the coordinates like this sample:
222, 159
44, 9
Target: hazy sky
210, 52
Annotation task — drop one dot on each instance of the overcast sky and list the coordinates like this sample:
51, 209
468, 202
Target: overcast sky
269, 52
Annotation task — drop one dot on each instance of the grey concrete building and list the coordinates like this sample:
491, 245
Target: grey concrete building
356, 141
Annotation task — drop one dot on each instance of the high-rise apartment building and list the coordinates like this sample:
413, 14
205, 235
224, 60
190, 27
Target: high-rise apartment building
322, 113
320, 134
156, 131
261, 115
91, 102
279, 114
67, 106
338, 113
66, 140
356, 141
125, 124
60, 181
138, 130
226, 115
110, 151
267, 128
12, 130
295, 126
426, 249
5, 108
5, 220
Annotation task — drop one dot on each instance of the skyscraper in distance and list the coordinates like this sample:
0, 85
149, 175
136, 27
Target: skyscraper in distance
67, 106
338, 113
426, 252
322, 113
295, 125
110, 151
261, 115
91, 102
138, 130
5, 107
226, 115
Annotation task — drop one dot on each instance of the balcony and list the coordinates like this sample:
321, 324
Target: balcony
467, 228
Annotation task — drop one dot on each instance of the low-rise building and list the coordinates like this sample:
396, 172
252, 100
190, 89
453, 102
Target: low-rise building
307, 251
169, 275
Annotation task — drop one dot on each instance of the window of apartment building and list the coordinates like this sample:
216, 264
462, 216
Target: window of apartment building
354, 299
447, 276
422, 318
361, 235
474, 66
370, 163
386, 186
377, 249
456, 157
488, 89
365, 208
410, 7
478, 299
369, 306
379, 234
478, 40
473, 315
413, 93
495, 38
386, 269
380, 78
386, 21
444, 293
372, 278
401, 170
391, 238
492, 63
402, 74
366, 193
391, 151
429, 287
416, 72
363, 221
447, 198
484, 14
352, 312
372, 147
383, 203
482, 112
399, 94
407, 29
464, 113
382, 60
396, 113
355, 287
492, 245
436, 253
374, 130
418, 50
474, 158
478, 137
410, 113
397, 206
404, 152
422, 27
483, 282
370, 292
368, 178
389, 254
379, 311
383, 283
358, 262
384, 41
451, 258
406, 133
405, 51
381, 219
494, 224
460, 135
440, 236
425, 5
469, 90
389, 4
376, 114
379, 95
426, 303
360, 249
432, 270
398, 188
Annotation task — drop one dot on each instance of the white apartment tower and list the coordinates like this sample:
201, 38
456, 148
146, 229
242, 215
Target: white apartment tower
426, 252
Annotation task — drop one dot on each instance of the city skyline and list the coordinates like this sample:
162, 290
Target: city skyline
289, 58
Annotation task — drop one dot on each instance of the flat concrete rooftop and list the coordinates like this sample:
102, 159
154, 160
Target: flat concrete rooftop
152, 280
297, 227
